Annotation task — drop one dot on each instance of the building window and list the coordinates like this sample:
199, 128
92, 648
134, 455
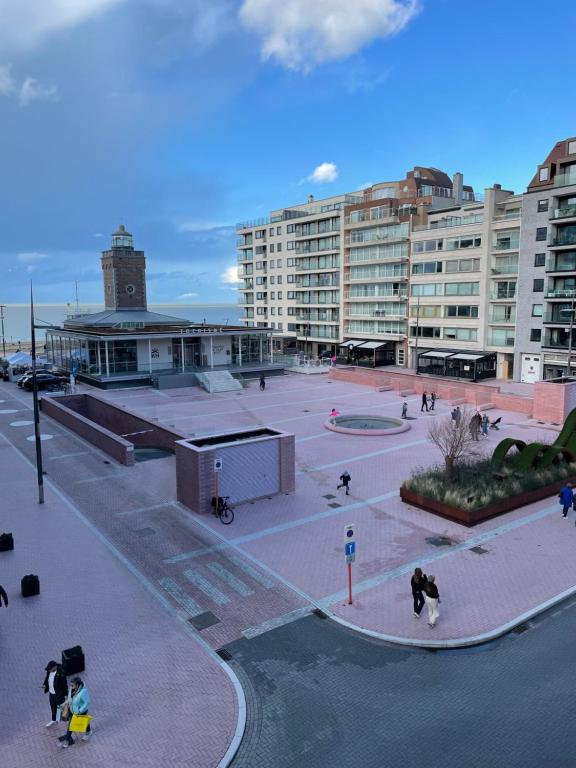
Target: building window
272, 295
572, 147
426, 267
279, 247
260, 234
538, 285
541, 233
537, 310
271, 251
279, 263
542, 206
280, 326
536, 334
279, 295
539, 259
280, 311
291, 278
543, 174
291, 294
291, 245
271, 231
272, 280
290, 228
278, 230
290, 262
279, 279
271, 262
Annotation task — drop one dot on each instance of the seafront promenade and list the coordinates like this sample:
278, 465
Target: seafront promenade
151, 590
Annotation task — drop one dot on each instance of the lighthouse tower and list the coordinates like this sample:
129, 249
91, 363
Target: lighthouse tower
124, 273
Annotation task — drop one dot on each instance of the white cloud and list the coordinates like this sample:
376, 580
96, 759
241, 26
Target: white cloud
32, 90
25, 23
31, 256
300, 34
323, 173
7, 84
188, 295
230, 276
199, 225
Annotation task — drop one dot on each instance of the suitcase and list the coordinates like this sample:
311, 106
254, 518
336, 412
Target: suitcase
73, 660
6, 542
30, 585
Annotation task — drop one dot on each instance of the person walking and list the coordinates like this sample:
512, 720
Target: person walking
262, 383
432, 598
485, 425
404, 410
418, 582
333, 361
433, 398
345, 478
457, 415
3, 596
56, 687
333, 414
79, 703
424, 402
474, 426
566, 498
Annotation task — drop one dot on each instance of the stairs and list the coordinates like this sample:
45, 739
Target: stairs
218, 381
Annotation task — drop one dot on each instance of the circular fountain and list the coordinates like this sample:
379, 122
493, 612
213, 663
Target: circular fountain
366, 424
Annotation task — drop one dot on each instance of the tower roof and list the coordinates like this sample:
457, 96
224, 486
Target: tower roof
121, 231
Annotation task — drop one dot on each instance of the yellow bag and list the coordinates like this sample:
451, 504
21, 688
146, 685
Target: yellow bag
80, 723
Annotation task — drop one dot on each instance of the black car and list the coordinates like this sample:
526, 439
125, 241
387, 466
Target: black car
43, 381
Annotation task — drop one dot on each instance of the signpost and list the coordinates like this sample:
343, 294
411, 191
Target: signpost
350, 555
217, 470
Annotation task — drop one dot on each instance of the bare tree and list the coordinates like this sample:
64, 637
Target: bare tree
454, 439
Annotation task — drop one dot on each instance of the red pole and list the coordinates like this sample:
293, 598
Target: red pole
349, 583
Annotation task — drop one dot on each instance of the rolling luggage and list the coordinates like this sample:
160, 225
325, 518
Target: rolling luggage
73, 660
6, 542
30, 585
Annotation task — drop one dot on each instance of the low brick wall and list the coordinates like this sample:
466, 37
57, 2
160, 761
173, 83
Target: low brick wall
452, 391
553, 400
71, 417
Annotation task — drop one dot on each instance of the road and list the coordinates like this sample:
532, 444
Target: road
320, 695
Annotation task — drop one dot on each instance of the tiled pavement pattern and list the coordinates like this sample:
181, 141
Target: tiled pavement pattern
158, 696
323, 696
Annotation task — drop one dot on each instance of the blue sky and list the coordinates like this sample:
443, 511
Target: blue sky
181, 117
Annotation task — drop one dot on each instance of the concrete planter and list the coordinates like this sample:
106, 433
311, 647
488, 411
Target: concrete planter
472, 517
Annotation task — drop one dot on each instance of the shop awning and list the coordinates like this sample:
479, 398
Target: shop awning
374, 344
436, 353
354, 342
469, 356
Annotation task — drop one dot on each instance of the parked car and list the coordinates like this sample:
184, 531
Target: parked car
43, 381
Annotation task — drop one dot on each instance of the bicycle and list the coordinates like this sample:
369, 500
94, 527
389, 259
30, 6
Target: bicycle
225, 511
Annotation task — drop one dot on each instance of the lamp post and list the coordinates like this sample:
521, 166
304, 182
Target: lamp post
417, 329
3, 337
37, 437
571, 311
350, 348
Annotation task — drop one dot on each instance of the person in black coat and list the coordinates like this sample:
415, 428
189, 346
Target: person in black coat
432, 597
56, 686
418, 583
3, 597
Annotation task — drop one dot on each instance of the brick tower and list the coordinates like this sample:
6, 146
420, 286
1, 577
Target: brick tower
124, 271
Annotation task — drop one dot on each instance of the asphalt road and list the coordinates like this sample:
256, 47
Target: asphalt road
321, 695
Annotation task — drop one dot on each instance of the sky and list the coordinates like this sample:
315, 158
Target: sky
180, 118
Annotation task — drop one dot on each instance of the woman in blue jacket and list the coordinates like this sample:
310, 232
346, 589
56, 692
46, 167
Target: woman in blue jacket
566, 497
79, 702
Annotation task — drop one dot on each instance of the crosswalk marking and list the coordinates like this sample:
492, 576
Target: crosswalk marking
230, 579
252, 572
207, 587
174, 589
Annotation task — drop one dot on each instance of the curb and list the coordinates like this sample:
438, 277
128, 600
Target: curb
464, 642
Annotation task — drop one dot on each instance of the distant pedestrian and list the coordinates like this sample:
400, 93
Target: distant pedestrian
333, 361
424, 402
3, 597
458, 415
453, 416
566, 498
79, 703
432, 598
262, 383
474, 426
485, 425
333, 414
56, 687
433, 398
345, 480
418, 582
404, 410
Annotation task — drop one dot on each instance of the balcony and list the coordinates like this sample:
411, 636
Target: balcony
557, 318
457, 221
307, 268
400, 295
554, 265
497, 319
561, 293
509, 268
565, 179
379, 279
563, 239
498, 341
508, 293
510, 216
506, 245
563, 213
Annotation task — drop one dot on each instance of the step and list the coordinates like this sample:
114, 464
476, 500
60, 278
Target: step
385, 388
406, 392
486, 407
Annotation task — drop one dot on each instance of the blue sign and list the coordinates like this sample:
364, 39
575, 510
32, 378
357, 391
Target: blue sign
350, 548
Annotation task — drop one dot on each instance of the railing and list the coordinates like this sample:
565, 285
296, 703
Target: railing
508, 341
564, 293
555, 317
317, 284
444, 224
553, 266
565, 179
356, 240
563, 240
511, 268
495, 320
508, 216
299, 251
392, 278
360, 217
562, 213
510, 293
253, 223
402, 295
506, 245
303, 268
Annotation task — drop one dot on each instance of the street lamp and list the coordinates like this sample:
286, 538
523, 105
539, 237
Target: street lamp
417, 329
3, 337
37, 438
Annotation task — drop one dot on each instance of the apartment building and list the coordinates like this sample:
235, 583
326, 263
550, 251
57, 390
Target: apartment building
463, 273
547, 281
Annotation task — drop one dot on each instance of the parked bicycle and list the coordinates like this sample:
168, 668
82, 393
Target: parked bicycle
225, 511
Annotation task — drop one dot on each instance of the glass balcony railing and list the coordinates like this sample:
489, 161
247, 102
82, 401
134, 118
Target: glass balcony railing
561, 293
508, 268
555, 265
565, 179
568, 238
564, 212
506, 245
497, 319
500, 341
508, 293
